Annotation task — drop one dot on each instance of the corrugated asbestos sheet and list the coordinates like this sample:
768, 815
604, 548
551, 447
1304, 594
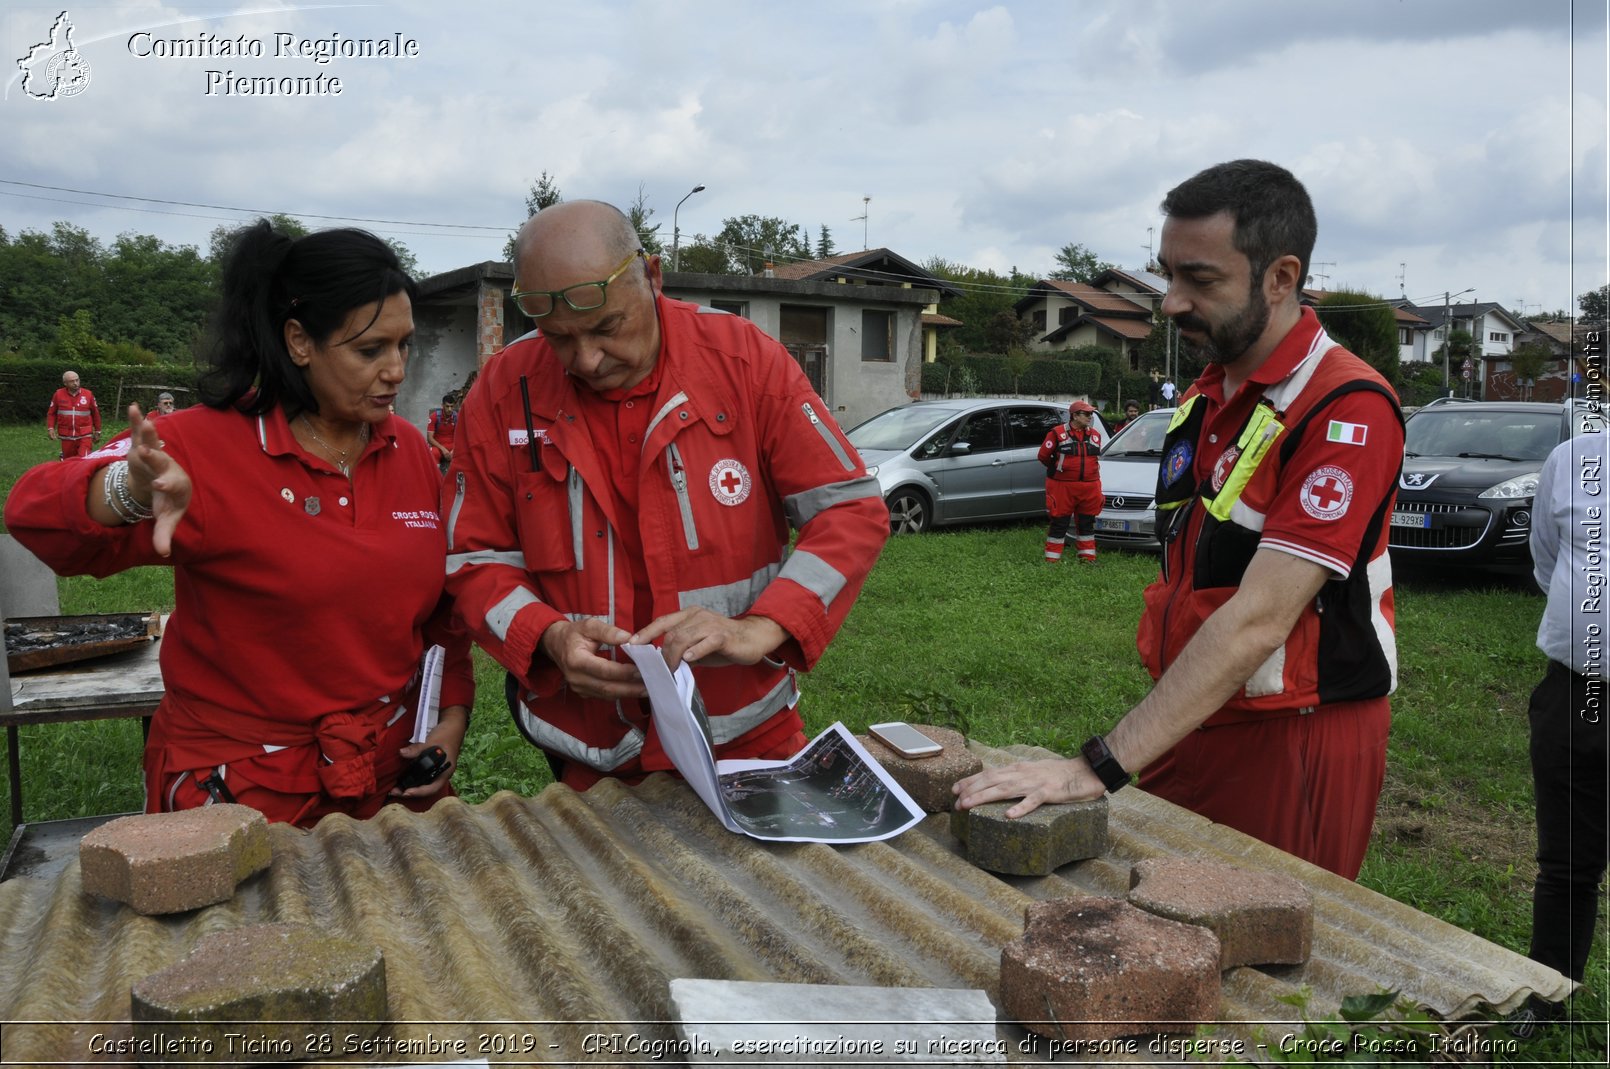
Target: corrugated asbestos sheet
566, 916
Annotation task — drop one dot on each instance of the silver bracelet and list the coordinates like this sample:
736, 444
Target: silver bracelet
111, 501
118, 479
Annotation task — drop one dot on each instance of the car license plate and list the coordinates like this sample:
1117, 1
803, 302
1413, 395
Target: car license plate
1111, 525
1411, 519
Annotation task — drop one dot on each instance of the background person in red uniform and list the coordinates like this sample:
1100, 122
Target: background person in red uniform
1071, 454
440, 428
1270, 630
73, 418
300, 518
630, 473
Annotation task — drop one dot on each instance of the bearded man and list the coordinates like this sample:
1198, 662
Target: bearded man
1270, 628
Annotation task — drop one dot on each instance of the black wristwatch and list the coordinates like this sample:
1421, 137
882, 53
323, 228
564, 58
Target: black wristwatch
1104, 764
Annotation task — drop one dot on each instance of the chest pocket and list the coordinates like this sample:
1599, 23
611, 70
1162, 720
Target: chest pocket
550, 504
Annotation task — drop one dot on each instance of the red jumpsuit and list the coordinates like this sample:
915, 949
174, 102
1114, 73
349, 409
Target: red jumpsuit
1303, 459
303, 605
442, 426
640, 502
76, 419
1072, 488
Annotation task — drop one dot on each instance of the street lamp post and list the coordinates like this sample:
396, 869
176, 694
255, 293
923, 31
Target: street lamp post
1447, 333
676, 233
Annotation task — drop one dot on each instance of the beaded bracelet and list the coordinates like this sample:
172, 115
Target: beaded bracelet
117, 482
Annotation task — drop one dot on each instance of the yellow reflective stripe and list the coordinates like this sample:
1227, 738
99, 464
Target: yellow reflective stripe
1182, 413
1255, 441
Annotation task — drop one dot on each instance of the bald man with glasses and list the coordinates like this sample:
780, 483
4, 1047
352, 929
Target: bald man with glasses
630, 472
73, 418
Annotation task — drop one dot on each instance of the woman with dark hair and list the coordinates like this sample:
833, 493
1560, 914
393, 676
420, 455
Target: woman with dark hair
301, 520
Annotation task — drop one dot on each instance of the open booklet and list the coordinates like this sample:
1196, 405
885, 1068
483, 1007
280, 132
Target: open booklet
832, 791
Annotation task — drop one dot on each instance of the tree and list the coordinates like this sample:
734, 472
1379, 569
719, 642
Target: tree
824, 244
754, 240
1007, 331
405, 257
704, 255
544, 194
156, 295
983, 294
1594, 304
1365, 324
640, 213
1529, 362
1078, 264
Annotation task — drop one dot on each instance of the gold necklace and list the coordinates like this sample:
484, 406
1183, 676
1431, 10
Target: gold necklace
341, 464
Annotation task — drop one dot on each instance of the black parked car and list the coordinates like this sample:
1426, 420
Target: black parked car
1469, 473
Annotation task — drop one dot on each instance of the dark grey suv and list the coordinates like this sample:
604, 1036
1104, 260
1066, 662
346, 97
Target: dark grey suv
1469, 473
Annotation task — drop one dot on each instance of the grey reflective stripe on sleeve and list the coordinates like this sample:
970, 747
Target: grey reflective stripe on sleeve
568, 746
828, 436
577, 541
814, 574
805, 506
513, 558
731, 599
665, 410
723, 729
458, 503
501, 615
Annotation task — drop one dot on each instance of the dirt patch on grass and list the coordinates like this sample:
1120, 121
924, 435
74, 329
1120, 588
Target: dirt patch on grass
1450, 827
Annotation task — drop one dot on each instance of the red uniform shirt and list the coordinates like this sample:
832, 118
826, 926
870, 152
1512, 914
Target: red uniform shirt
1330, 486
734, 450
73, 415
297, 594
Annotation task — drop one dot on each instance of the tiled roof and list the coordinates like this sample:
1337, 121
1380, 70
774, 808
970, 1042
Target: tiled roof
935, 319
1088, 296
813, 268
567, 915
1128, 329
873, 265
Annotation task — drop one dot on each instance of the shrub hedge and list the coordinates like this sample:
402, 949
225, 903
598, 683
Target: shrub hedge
27, 385
994, 376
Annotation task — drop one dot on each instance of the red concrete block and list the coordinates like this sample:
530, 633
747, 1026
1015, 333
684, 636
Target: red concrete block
171, 862
1089, 968
928, 779
269, 986
1261, 918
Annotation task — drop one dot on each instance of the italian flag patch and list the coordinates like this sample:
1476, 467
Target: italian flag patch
1346, 433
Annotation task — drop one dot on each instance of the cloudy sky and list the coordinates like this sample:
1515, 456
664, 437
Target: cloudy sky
1448, 144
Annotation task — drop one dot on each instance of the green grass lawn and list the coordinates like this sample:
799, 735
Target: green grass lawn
972, 629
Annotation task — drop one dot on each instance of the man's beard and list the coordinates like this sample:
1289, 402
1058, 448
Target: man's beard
1226, 343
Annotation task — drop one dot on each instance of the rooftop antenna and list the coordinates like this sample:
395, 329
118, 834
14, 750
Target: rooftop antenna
1403, 271
862, 220
1322, 276
1151, 264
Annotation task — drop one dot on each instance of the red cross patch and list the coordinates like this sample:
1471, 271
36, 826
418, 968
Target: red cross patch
730, 482
1327, 492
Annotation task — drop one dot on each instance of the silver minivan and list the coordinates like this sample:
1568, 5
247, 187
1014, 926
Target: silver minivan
960, 460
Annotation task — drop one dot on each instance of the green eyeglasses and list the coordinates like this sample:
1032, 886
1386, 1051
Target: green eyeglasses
582, 297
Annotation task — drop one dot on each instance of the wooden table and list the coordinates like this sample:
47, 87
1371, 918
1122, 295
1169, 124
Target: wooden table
123, 684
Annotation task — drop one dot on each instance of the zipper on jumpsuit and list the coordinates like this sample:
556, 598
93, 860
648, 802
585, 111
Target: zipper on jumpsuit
827, 436
679, 483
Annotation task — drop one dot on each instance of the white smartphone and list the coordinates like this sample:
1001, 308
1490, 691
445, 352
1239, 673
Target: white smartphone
904, 739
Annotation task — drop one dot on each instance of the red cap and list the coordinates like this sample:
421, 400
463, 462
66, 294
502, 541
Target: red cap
1081, 406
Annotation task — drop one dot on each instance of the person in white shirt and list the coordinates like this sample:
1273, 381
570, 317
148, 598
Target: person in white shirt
1567, 710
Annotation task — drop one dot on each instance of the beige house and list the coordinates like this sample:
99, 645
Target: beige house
1066, 315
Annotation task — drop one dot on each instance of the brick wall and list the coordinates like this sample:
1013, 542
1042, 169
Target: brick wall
489, 324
